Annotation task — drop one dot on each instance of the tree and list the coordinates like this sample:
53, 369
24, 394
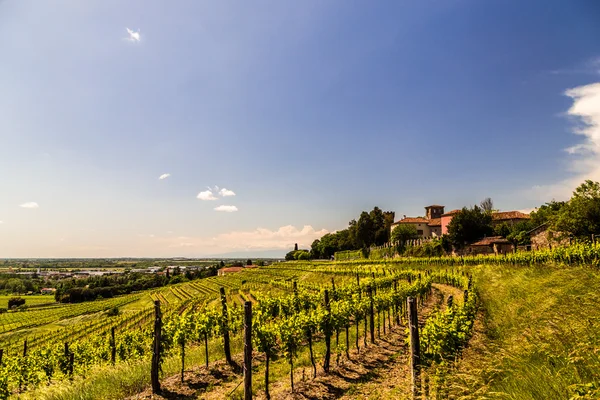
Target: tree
315, 250
364, 231
404, 232
546, 213
248, 262
487, 205
468, 226
581, 215
15, 285
378, 221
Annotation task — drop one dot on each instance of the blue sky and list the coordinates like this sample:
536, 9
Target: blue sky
308, 112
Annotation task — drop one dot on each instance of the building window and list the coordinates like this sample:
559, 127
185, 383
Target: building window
419, 232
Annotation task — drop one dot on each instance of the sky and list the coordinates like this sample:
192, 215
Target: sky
194, 129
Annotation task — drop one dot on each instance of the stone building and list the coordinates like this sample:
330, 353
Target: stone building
543, 237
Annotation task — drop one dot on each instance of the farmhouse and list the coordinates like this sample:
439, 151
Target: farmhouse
428, 226
491, 245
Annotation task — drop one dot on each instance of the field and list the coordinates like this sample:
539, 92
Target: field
33, 300
529, 330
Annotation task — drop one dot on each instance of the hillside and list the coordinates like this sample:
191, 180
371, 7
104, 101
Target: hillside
528, 331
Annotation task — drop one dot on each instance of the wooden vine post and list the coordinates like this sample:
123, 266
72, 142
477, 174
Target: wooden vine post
113, 346
415, 348
225, 326
248, 350
156, 350
327, 329
1, 354
371, 313
25, 348
357, 321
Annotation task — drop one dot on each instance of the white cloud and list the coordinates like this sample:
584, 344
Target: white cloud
226, 192
258, 239
226, 208
30, 204
584, 157
164, 176
212, 193
133, 36
206, 195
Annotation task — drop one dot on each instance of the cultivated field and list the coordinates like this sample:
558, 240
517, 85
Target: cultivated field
529, 329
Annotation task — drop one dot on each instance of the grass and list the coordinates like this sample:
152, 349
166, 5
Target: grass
30, 300
541, 335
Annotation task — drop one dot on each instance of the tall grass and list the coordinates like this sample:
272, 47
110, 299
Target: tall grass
541, 335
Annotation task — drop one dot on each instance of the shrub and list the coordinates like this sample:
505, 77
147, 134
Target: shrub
15, 302
113, 312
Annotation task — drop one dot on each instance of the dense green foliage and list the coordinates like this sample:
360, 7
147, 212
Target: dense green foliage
371, 229
15, 302
580, 217
468, 226
296, 255
404, 232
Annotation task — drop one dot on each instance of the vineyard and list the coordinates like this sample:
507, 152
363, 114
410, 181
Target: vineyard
305, 316
291, 310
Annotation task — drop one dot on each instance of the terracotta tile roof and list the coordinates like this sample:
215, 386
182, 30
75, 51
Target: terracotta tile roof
506, 215
451, 213
435, 222
491, 240
410, 220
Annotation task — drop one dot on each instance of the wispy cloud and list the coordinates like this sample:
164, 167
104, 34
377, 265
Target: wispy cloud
589, 67
258, 239
226, 192
206, 195
164, 176
225, 208
133, 36
30, 204
584, 157
212, 192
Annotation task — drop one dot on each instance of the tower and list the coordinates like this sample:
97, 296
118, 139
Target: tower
434, 211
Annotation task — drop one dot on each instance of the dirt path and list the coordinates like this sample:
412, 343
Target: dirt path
379, 371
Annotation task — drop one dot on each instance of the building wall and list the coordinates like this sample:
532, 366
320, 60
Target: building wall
433, 212
435, 231
545, 239
424, 228
445, 221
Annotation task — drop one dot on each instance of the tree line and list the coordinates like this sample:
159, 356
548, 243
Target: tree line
77, 290
371, 229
